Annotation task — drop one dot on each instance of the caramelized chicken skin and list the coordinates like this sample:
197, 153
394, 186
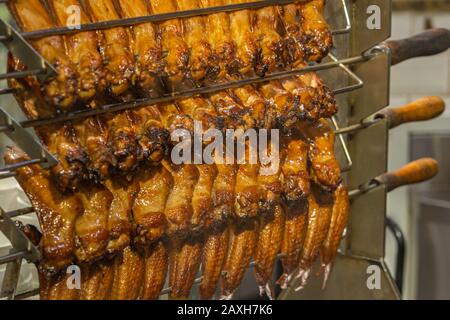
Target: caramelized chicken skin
60, 91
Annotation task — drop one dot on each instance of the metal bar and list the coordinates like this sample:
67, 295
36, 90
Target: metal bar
7, 175
20, 212
21, 74
357, 127
206, 90
401, 249
11, 279
363, 189
18, 239
21, 49
348, 21
12, 257
27, 295
6, 129
27, 142
344, 146
21, 164
7, 91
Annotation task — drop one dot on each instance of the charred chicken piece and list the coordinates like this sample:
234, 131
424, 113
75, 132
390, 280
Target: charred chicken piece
317, 37
152, 136
219, 35
267, 28
316, 99
123, 140
292, 21
296, 178
308, 36
92, 134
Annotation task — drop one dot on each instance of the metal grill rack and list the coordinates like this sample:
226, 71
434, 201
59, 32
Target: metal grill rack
362, 95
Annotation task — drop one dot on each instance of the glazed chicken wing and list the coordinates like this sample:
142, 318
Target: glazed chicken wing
267, 28
219, 35
156, 265
60, 139
201, 59
216, 244
317, 37
319, 220
339, 220
115, 47
176, 51
296, 189
129, 270
246, 46
326, 171
82, 49
57, 213
120, 225
148, 208
91, 227
146, 48
272, 222
31, 15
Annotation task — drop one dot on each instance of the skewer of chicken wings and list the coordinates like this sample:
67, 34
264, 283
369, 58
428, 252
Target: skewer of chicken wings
57, 213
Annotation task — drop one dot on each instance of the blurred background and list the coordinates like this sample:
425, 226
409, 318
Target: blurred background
422, 213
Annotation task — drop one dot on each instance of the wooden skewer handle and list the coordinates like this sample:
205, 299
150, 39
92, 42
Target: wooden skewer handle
414, 172
426, 108
428, 43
